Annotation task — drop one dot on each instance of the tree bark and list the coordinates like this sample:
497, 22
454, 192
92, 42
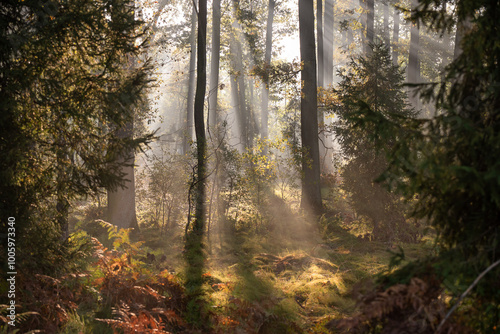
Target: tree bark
395, 38
264, 127
214, 66
121, 202
311, 192
199, 121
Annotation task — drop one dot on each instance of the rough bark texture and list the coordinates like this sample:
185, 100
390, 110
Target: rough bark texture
214, 66
264, 127
311, 194
395, 38
121, 202
191, 85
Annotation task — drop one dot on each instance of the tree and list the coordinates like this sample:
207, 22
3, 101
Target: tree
267, 64
194, 239
121, 200
311, 193
413, 59
449, 164
191, 84
214, 66
62, 105
371, 81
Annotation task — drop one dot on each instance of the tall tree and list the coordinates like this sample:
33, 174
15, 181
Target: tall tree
267, 63
311, 192
121, 200
395, 37
199, 120
194, 254
214, 65
62, 106
238, 84
413, 59
191, 84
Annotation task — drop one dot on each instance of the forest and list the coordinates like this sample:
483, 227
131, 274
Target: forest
258, 166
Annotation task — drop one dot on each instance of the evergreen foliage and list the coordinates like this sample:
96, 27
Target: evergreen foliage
451, 163
66, 89
371, 81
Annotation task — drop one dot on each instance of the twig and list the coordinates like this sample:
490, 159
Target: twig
465, 293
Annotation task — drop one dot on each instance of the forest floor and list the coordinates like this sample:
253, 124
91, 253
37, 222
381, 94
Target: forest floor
280, 273
290, 275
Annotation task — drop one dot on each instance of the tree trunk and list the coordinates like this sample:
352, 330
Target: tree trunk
199, 122
214, 67
191, 84
236, 50
311, 192
413, 61
264, 127
395, 38
121, 202
194, 240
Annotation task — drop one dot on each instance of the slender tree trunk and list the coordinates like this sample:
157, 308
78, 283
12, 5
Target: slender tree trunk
199, 121
62, 204
264, 127
395, 38
194, 255
311, 192
236, 50
214, 67
413, 60
191, 84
